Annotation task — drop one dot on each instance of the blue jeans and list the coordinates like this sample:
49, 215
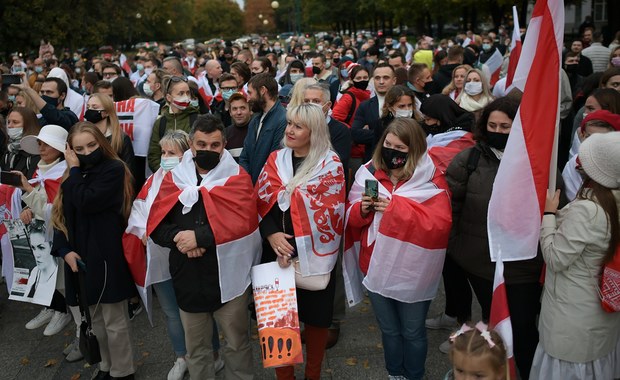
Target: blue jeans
403, 334
168, 302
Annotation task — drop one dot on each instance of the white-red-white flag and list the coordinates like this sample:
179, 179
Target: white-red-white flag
520, 187
494, 64
515, 48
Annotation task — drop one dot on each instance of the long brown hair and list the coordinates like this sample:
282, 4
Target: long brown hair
31, 125
58, 217
117, 137
602, 195
412, 135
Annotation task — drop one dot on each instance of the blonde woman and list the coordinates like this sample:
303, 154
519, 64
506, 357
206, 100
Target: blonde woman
89, 215
306, 174
455, 87
476, 93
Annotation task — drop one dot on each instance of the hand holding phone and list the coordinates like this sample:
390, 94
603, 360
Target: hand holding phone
12, 179
371, 189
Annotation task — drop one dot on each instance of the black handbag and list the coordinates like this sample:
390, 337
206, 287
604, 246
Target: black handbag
89, 346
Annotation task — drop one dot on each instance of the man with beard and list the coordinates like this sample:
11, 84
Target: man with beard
266, 129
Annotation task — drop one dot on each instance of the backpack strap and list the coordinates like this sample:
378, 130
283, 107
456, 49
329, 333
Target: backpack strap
472, 161
352, 109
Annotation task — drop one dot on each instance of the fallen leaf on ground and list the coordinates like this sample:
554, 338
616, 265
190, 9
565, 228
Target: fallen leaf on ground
50, 362
351, 361
379, 345
372, 327
364, 309
86, 365
24, 361
365, 364
145, 354
75, 376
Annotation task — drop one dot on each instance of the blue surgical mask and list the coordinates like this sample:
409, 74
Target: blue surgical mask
193, 103
226, 94
486, 47
12, 98
140, 67
38, 69
344, 73
296, 77
169, 163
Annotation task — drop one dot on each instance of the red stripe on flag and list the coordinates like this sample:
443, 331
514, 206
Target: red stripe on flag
499, 305
539, 106
512, 63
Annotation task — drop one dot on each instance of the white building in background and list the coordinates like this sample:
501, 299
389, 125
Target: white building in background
574, 15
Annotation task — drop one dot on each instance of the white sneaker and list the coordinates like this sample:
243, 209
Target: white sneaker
390, 377
445, 346
178, 371
41, 319
58, 322
442, 321
218, 364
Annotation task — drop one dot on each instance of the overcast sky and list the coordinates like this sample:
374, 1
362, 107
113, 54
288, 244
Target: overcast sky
240, 3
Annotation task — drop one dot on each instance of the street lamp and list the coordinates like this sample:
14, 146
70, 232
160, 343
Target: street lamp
169, 22
266, 22
275, 5
260, 15
138, 16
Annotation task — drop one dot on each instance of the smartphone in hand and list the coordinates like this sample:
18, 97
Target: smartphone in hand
12, 179
371, 189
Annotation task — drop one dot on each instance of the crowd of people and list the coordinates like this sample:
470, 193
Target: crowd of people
380, 155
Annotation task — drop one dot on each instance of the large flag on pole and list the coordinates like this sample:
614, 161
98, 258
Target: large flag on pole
494, 64
520, 187
515, 48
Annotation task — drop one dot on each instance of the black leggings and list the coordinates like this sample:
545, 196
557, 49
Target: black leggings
458, 291
524, 307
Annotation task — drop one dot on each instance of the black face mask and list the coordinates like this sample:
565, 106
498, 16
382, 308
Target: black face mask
428, 87
94, 116
431, 129
497, 140
362, 84
49, 100
336, 61
393, 158
88, 161
207, 159
571, 68
316, 70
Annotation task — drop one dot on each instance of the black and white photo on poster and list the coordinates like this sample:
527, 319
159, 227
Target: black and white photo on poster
34, 268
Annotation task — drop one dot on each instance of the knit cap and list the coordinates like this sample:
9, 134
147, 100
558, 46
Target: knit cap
600, 158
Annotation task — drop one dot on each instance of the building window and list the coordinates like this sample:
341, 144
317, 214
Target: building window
599, 9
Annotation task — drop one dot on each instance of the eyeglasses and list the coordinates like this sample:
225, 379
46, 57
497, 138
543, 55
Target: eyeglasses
109, 75
174, 79
228, 88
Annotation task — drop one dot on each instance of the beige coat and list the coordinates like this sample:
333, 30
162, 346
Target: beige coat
573, 326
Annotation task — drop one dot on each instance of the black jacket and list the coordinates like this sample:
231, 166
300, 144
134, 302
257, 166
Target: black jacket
51, 115
340, 136
20, 161
367, 114
443, 77
196, 280
92, 203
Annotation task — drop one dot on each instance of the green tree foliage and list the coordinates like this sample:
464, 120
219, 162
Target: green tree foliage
217, 18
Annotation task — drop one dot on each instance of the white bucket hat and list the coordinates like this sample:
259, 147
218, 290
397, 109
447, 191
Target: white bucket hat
53, 135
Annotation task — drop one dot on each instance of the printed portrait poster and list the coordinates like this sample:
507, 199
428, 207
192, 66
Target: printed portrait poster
34, 268
276, 315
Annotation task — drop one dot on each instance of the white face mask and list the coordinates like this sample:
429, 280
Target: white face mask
169, 163
148, 71
403, 113
15, 133
473, 88
147, 89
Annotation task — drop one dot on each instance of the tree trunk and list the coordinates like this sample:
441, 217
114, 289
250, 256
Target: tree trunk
429, 22
613, 22
474, 19
465, 16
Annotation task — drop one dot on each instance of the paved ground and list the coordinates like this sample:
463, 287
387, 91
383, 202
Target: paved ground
26, 354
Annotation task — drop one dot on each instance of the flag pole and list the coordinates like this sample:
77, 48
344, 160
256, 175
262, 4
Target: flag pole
553, 164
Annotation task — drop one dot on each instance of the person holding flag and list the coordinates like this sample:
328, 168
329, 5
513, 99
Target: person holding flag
578, 339
470, 177
396, 241
203, 214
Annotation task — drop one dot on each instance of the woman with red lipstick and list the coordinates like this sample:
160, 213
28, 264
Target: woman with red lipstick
301, 195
